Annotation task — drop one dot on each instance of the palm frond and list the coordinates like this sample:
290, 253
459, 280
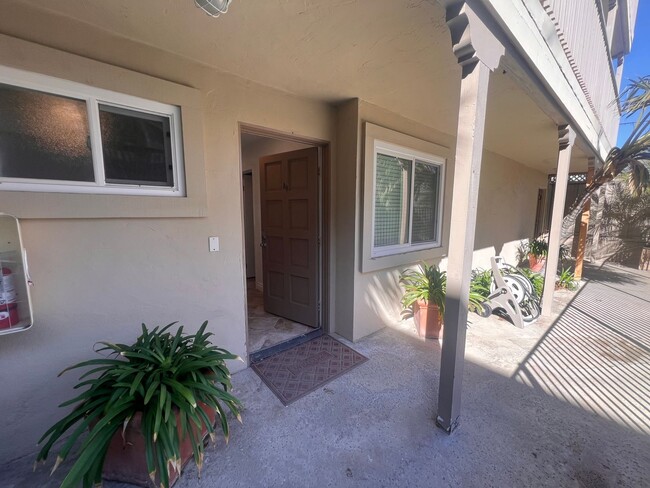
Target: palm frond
631, 158
636, 96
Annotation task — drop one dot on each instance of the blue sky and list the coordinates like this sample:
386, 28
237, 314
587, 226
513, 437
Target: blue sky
637, 63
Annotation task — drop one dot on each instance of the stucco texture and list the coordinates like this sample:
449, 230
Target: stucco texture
98, 279
506, 216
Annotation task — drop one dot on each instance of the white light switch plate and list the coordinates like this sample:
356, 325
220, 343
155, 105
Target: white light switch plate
214, 244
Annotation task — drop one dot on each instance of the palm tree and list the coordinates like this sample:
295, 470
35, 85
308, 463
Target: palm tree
633, 156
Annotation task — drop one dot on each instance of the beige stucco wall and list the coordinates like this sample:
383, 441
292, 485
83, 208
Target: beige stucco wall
377, 293
345, 180
98, 279
507, 204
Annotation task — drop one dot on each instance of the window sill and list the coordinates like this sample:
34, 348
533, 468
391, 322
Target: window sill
402, 259
396, 251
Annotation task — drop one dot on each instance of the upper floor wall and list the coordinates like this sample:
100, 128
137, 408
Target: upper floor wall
570, 45
621, 19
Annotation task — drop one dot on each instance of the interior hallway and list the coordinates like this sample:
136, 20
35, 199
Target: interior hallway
264, 329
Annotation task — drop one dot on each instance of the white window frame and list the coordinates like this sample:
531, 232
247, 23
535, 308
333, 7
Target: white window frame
403, 152
93, 97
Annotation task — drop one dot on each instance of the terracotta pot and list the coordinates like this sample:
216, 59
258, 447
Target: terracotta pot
536, 263
428, 320
126, 462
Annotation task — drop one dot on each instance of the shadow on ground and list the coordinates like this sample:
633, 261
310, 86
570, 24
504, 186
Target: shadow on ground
542, 406
597, 353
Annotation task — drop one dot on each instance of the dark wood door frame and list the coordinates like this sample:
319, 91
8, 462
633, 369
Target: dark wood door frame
324, 210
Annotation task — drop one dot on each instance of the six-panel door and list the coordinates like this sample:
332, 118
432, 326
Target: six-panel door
289, 201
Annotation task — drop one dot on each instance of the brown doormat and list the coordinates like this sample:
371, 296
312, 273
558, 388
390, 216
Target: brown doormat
295, 372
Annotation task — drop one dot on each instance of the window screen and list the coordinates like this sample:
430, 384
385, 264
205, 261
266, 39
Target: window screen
136, 147
407, 206
425, 202
43, 136
392, 200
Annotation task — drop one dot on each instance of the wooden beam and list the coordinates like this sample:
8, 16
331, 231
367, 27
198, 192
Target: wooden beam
584, 226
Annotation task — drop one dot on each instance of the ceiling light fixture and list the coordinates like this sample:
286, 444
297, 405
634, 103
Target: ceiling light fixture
214, 8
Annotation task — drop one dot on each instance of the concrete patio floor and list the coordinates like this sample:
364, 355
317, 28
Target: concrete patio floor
564, 402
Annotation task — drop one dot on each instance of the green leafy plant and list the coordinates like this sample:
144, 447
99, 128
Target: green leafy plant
426, 283
161, 374
566, 279
479, 289
535, 278
538, 247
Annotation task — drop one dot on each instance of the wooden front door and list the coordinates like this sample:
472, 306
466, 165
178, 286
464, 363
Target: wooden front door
290, 259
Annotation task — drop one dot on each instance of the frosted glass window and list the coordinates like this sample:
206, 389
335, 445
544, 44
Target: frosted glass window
43, 136
136, 147
61, 136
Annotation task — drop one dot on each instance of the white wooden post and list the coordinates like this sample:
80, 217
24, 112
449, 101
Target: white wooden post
477, 63
566, 138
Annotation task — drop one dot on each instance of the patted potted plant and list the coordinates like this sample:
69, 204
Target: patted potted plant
146, 410
537, 252
424, 292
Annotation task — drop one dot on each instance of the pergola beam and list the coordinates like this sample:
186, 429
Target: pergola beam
584, 227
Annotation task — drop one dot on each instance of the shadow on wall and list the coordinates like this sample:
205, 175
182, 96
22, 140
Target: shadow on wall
383, 295
623, 251
511, 251
622, 230
383, 292
596, 355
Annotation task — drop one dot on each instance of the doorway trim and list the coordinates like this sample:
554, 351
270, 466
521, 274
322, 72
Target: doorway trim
324, 185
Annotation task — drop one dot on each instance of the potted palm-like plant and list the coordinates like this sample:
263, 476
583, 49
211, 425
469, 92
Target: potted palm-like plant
537, 252
425, 290
147, 409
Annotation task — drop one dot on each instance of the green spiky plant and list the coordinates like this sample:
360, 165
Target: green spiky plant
536, 279
566, 279
426, 283
538, 247
161, 374
479, 289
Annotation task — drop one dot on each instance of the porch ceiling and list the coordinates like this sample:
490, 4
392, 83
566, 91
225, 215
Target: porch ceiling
392, 53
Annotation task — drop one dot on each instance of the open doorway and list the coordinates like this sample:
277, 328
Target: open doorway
282, 204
